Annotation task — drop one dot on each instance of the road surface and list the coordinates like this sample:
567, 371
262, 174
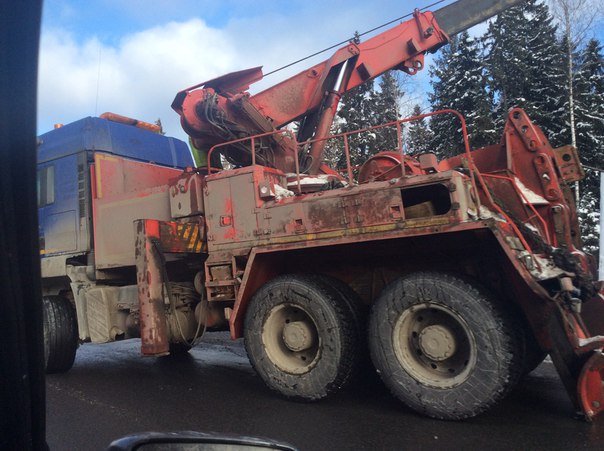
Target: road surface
113, 391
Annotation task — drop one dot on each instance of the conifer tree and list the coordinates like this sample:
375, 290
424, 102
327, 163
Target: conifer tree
365, 107
548, 92
589, 112
443, 128
355, 113
508, 61
385, 110
568, 100
525, 66
419, 137
575, 18
590, 104
460, 84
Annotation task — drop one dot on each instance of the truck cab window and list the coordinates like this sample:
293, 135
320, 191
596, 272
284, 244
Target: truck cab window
46, 186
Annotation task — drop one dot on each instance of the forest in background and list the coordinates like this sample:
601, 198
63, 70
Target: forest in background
537, 56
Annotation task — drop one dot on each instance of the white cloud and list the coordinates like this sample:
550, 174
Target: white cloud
138, 78
139, 74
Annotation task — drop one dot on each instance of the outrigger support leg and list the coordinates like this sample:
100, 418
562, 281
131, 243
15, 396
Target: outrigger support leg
154, 239
579, 360
153, 324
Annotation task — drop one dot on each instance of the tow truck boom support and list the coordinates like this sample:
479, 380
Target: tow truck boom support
223, 110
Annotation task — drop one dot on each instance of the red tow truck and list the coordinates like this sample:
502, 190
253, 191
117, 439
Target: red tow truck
457, 276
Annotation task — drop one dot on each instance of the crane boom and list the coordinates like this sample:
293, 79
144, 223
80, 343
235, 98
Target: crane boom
464, 14
221, 110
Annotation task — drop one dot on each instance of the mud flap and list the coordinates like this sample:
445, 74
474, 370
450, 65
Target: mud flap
590, 386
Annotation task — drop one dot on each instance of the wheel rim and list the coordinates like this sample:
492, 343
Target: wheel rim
434, 345
291, 339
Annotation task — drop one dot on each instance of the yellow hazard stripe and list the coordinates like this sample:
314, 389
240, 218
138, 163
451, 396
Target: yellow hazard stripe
190, 236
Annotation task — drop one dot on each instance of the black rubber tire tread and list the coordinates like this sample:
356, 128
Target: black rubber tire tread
60, 334
529, 355
514, 327
352, 300
497, 366
360, 313
337, 326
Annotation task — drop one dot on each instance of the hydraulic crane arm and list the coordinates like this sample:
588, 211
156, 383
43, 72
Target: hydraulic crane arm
222, 110
464, 14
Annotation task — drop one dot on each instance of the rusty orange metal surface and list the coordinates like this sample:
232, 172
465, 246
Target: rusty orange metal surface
124, 190
515, 181
149, 280
590, 387
182, 237
317, 89
402, 45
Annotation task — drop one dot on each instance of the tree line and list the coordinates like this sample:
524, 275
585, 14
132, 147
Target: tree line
522, 60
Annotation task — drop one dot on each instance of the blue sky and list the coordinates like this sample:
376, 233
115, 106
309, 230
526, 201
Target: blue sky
131, 57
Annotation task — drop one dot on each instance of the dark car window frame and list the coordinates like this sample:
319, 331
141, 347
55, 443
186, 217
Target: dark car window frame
22, 390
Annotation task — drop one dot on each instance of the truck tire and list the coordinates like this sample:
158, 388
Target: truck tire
301, 337
443, 346
360, 314
60, 334
352, 301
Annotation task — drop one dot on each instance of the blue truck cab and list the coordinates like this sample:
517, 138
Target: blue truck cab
69, 184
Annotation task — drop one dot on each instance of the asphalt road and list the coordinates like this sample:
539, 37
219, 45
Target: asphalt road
113, 391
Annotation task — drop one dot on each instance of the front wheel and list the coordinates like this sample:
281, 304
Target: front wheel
301, 337
444, 347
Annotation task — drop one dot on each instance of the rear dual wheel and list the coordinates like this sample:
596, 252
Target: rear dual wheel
444, 347
301, 336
